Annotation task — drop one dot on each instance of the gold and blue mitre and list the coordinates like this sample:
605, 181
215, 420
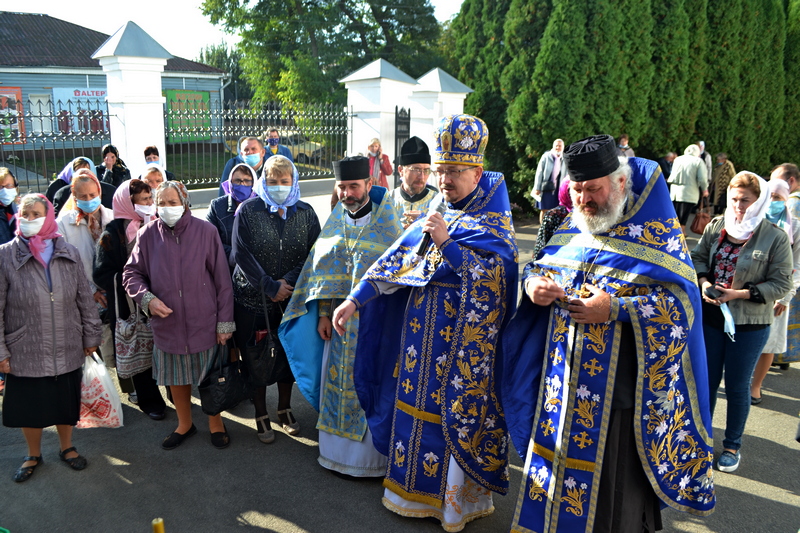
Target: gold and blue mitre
461, 140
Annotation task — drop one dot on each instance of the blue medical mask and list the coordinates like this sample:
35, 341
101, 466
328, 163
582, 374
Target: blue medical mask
273, 141
156, 162
730, 326
242, 192
252, 159
279, 193
88, 206
7, 196
775, 208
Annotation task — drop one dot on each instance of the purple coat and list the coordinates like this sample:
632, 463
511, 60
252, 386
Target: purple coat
186, 268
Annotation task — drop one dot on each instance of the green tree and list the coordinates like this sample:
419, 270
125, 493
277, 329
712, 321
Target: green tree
327, 39
696, 83
791, 62
668, 106
229, 60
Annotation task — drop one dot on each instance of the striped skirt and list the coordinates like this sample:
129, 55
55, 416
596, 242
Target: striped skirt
181, 369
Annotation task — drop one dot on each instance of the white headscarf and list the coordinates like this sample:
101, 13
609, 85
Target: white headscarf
754, 214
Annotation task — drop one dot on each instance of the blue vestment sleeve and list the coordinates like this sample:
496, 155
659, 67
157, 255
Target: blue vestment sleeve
304, 348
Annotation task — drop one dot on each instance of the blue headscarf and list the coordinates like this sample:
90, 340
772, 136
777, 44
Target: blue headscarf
261, 187
66, 174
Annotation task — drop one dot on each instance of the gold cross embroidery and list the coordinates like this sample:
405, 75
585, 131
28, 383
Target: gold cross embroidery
582, 440
415, 325
446, 333
547, 427
407, 386
593, 368
437, 397
555, 357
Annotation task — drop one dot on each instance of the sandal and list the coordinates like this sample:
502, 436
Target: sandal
265, 433
221, 439
76, 463
176, 439
23, 473
291, 426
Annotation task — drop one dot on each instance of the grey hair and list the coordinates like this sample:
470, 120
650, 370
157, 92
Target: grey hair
623, 170
32, 198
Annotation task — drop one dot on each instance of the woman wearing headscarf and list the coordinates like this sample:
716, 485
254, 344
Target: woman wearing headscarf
238, 188
82, 226
50, 324
64, 177
687, 182
553, 218
178, 274
779, 215
113, 169
62, 194
272, 236
133, 209
744, 265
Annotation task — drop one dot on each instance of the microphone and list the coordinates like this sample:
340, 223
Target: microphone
438, 205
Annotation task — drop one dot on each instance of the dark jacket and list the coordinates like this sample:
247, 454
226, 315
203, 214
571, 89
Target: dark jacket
233, 161
115, 177
7, 227
221, 213
110, 259
62, 196
45, 330
267, 248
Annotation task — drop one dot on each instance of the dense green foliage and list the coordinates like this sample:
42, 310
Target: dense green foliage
223, 58
296, 51
791, 60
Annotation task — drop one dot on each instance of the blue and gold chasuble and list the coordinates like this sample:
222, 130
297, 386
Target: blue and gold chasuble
558, 376
335, 264
425, 364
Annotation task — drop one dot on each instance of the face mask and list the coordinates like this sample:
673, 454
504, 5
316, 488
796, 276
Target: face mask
775, 208
273, 141
29, 228
730, 327
7, 196
252, 159
170, 215
279, 193
156, 162
145, 211
88, 206
373, 154
242, 192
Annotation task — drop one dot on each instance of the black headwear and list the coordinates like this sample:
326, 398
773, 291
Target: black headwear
413, 151
351, 168
591, 158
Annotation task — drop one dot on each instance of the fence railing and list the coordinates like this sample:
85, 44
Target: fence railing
200, 140
38, 138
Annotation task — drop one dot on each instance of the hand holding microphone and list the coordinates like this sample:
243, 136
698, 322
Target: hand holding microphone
434, 228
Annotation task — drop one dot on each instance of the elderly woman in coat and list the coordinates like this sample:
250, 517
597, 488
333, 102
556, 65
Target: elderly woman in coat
687, 181
49, 324
179, 275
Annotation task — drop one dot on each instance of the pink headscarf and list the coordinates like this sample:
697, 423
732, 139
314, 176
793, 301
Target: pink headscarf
123, 208
563, 195
49, 230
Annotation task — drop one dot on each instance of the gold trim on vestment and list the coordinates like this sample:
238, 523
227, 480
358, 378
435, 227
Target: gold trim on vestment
416, 413
419, 498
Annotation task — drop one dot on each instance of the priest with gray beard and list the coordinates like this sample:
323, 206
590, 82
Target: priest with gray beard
604, 380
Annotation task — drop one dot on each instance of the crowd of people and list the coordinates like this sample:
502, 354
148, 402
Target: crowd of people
399, 320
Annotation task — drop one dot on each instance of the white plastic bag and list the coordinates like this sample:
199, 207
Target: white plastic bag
100, 404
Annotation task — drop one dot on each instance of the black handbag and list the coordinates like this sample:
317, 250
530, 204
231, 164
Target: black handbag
261, 354
225, 386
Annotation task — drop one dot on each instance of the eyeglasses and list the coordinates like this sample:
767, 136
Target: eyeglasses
450, 173
242, 182
417, 170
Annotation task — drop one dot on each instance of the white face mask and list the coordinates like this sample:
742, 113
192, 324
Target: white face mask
29, 228
170, 215
145, 211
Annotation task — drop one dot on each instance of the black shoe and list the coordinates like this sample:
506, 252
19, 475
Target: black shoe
176, 439
25, 472
157, 415
221, 439
755, 401
76, 463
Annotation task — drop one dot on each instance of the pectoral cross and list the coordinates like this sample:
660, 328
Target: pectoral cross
348, 263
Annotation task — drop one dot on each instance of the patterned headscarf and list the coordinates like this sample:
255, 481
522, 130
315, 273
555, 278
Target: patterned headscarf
49, 230
123, 208
92, 221
66, 174
294, 195
183, 194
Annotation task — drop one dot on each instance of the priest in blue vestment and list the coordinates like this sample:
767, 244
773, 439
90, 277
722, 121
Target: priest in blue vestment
604, 379
429, 328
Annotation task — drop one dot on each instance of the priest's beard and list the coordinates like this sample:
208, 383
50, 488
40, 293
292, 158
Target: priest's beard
605, 215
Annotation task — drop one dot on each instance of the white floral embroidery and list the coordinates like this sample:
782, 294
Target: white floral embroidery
636, 230
583, 392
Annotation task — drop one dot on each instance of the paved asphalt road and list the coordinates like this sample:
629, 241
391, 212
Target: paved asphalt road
280, 487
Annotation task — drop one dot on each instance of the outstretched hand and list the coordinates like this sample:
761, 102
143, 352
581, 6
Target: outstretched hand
342, 314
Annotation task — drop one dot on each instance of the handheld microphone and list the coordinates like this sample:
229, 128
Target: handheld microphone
438, 205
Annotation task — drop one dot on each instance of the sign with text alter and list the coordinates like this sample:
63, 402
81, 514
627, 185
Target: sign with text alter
188, 116
80, 109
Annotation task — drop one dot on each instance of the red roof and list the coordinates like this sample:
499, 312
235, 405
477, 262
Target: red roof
34, 40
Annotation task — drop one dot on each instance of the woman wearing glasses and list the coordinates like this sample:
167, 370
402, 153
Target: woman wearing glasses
238, 188
414, 195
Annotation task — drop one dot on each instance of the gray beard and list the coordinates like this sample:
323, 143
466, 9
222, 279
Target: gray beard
606, 215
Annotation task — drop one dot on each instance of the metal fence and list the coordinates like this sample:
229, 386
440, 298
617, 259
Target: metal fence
38, 138
200, 140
